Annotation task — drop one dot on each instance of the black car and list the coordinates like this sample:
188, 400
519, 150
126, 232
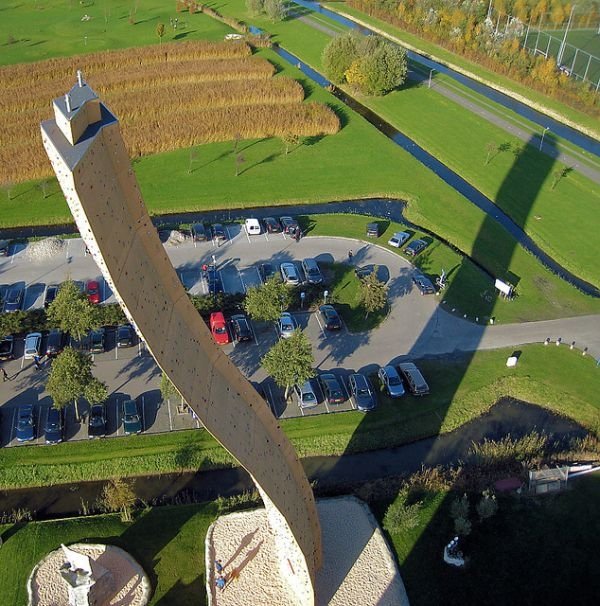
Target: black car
266, 271
97, 340
213, 278
330, 317
7, 345
272, 225
125, 335
97, 421
54, 426
424, 284
199, 232
241, 328
362, 392
131, 418
51, 292
218, 232
415, 247
382, 273
289, 225
373, 230
25, 424
14, 298
55, 342
332, 390
3, 248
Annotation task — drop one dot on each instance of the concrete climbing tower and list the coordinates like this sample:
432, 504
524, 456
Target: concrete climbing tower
87, 152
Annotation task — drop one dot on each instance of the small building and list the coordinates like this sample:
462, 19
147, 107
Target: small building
544, 481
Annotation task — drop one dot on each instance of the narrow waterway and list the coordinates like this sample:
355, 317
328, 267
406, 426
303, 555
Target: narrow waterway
568, 133
330, 473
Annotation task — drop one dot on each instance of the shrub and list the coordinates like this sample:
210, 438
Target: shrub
491, 453
400, 515
117, 496
460, 507
462, 526
487, 506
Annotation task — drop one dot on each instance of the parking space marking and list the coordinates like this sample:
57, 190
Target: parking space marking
241, 279
117, 416
354, 407
116, 352
253, 331
170, 414
229, 236
326, 407
301, 410
247, 236
266, 235
13, 427
22, 361
143, 415
320, 326
271, 406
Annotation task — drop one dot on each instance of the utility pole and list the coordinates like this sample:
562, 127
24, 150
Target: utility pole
561, 51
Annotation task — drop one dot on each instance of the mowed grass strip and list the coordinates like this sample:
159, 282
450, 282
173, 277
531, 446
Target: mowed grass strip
463, 387
156, 120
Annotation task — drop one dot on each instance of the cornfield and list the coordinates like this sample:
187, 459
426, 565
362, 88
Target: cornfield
167, 97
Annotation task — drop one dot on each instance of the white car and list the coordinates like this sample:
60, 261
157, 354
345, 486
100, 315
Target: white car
289, 273
33, 345
398, 239
252, 227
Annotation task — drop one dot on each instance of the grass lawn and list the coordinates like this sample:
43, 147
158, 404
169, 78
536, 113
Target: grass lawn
462, 388
54, 28
167, 541
534, 551
444, 56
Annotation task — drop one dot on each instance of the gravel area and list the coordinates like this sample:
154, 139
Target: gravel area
358, 566
45, 249
125, 583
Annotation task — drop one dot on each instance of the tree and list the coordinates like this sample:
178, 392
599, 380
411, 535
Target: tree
289, 140
339, 55
72, 312
160, 31
12, 323
275, 9
290, 361
71, 378
490, 148
266, 302
255, 7
167, 389
118, 496
373, 293
487, 506
384, 68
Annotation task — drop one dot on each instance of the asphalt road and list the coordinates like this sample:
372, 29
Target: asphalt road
416, 326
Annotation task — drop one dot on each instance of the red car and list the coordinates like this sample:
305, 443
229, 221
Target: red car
218, 327
92, 290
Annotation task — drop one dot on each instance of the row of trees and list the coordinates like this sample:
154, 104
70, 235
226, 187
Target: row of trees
371, 64
490, 38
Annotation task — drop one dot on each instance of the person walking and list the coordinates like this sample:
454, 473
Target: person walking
36, 362
350, 255
219, 567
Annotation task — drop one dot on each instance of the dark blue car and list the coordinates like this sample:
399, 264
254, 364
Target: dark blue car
54, 426
25, 424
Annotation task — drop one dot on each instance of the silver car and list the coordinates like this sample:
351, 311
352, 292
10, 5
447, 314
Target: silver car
33, 345
391, 381
286, 325
306, 395
289, 273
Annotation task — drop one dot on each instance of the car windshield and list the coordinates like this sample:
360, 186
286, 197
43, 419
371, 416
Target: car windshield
131, 418
25, 422
220, 330
286, 325
96, 420
393, 380
308, 396
361, 391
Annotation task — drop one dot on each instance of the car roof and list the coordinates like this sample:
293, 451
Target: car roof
390, 370
359, 378
217, 315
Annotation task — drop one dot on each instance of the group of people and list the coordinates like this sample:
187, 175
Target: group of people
222, 578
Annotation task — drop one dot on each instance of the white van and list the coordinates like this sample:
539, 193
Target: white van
252, 227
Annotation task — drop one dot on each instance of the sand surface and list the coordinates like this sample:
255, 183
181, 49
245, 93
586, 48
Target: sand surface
358, 566
130, 585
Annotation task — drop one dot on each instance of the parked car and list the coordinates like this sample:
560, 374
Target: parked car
55, 342
241, 328
373, 230
331, 318
424, 284
398, 239
417, 385
289, 225
33, 345
50, 294
306, 395
266, 271
14, 298
92, 290
311, 271
391, 381
383, 273
252, 227
218, 232
415, 247
7, 347
97, 421
362, 392
213, 279
218, 328
199, 232
54, 426
131, 418
97, 339
332, 390
25, 423
289, 274
272, 225
4, 248
125, 335
286, 325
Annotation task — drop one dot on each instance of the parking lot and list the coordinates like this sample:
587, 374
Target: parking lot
131, 373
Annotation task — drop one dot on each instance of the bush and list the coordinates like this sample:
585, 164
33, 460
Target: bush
462, 527
487, 506
400, 515
339, 55
460, 507
491, 453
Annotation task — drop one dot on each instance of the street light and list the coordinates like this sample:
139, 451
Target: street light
430, 74
542, 139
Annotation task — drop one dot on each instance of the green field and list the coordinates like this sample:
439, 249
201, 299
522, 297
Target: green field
462, 388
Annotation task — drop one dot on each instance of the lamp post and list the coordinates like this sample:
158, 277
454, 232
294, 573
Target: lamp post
430, 74
542, 139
